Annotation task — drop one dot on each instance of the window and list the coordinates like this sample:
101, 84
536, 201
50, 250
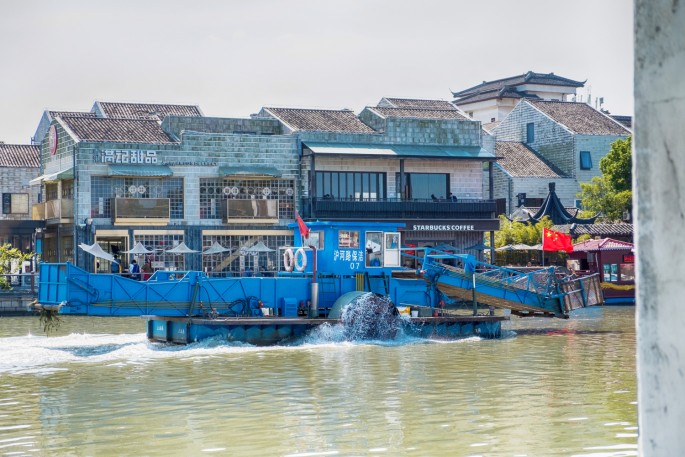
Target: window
585, 160
530, 132
350, 185
627, 272
374, 249
105, 188
421, 186
392, 250
15, 203
315, 239
215, 191
610, 272
348, 239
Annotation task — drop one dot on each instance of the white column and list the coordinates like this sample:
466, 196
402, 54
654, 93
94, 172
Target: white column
659, 185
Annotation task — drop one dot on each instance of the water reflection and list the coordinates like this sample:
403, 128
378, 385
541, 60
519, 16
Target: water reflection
556, 388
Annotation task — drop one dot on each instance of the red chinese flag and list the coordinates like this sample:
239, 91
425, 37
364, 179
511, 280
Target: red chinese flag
556, 241
304, 230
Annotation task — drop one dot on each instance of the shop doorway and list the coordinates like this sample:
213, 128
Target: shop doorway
115, 245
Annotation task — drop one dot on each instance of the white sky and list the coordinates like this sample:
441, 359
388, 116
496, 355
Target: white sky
232, 57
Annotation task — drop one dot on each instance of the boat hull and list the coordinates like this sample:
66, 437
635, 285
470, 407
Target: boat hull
266, 331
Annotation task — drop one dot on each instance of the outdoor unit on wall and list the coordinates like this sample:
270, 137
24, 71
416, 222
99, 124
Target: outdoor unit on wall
250, 211
626, 215
141, 211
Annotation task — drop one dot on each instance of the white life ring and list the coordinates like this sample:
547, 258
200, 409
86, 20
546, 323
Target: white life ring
288, 259
300, 260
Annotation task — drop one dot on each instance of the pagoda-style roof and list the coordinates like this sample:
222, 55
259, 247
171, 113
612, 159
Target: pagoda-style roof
553, 208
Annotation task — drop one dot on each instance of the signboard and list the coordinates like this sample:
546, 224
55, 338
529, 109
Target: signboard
52, 139
464, 225
628, 258
121, 156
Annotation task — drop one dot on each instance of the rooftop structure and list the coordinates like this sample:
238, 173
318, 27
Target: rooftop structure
19, 155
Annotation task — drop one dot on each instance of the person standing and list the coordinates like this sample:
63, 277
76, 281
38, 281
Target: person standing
115, 266
134, 269
147, 270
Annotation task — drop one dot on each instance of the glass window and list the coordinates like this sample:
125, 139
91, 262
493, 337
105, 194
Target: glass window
585, 160
352, 185
315, 239
104, 188
392, 250
610, 272
530, 132
215, 191
627, 272
374, 249
15, 203
348, 239
239, 259
422, 186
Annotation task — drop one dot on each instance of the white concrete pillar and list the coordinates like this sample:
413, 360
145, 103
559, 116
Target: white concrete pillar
659, 185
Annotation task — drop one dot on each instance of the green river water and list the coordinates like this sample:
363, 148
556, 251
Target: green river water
97, 387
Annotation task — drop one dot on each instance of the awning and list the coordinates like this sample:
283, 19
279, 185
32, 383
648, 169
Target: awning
58, 176
140, 170
252, 170
401, 151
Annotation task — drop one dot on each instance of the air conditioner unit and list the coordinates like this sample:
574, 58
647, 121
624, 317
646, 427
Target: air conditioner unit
626, 215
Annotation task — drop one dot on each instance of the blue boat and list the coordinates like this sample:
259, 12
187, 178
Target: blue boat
343, 272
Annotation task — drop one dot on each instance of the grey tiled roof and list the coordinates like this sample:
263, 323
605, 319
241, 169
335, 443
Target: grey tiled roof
505, 92
490, 126
71, 113
580, 118
117, 130
419, 103
519, 160
147, 110
344, 121
419, 113
625, 120
603, 230
526, 78
19, 155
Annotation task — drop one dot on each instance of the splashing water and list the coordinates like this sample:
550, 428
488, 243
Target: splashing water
370, 316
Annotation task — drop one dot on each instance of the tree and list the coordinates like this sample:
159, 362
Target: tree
519, 232
611, 194
10, 259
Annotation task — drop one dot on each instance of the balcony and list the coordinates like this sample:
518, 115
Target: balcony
392, 209
141, 211
38, 212
253, 211
59, 211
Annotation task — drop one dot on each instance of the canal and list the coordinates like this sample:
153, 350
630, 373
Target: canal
97, 387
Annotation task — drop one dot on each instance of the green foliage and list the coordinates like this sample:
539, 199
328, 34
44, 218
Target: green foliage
617, 165
611, 194
518, 232
10, 257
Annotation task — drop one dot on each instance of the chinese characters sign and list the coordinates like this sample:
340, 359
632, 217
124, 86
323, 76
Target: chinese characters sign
127, 156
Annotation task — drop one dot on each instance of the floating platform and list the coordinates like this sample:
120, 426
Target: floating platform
264, 331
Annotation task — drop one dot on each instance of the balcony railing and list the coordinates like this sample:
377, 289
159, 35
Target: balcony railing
141, 211
54, 211
374, 209
38, 212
